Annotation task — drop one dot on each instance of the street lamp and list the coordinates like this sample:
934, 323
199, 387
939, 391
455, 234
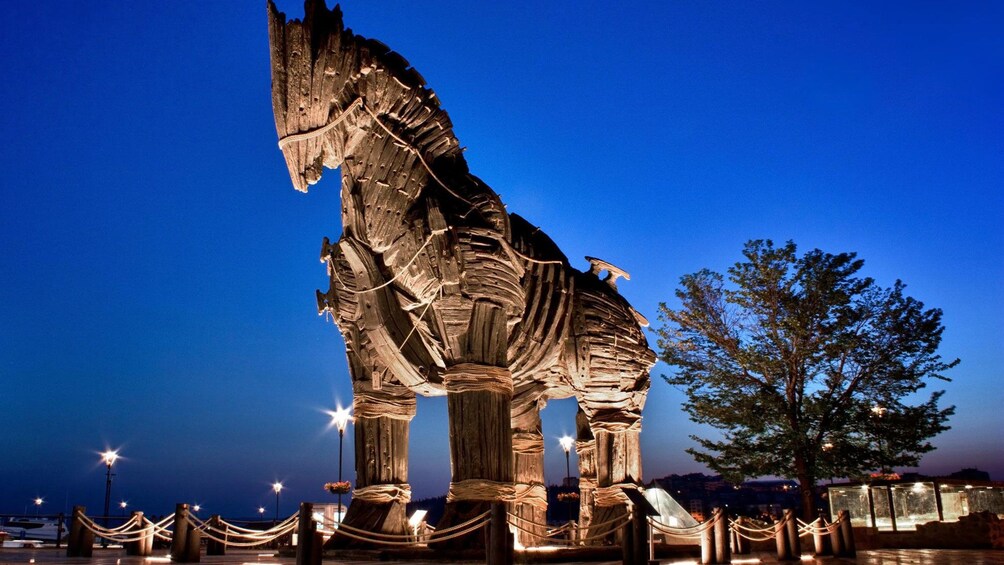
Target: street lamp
108, 457
196, 508
340, 418
566, 444
261, 513
123, 506
277, 487
38, 504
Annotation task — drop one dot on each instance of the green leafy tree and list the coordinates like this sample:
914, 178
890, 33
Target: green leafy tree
807, 370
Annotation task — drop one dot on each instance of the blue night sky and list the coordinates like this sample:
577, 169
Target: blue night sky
158, 273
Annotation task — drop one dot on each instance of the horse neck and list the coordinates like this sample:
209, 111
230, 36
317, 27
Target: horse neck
395, 172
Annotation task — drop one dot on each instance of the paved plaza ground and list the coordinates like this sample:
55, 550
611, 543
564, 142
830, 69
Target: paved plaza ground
256, 557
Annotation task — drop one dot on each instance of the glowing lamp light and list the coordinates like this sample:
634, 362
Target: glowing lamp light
123, 505
277, 487
38, 501
878, 410
566, 443
340, 418
109, 457
417, 518
196, 508
827, 446
261, 510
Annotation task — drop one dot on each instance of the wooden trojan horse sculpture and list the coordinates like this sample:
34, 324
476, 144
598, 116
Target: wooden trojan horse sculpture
437, 290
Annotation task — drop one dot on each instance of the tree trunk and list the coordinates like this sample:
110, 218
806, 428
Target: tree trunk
806, 489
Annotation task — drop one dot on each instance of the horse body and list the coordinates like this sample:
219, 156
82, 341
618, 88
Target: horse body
433, 280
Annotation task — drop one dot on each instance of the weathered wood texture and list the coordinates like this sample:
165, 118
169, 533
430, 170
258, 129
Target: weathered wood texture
585, 449
530, 507
428, 250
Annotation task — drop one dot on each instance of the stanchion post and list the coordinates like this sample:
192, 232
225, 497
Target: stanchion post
307, 551
137, 547
836, 543
820, 546
708, 542
722, 550
846, 533
781, 539
81, 540
742, 544
639, 535
146, 549
193, 544
214, 547
627, 541
794, 543
179, 539
651, 542
59, 529
498, 550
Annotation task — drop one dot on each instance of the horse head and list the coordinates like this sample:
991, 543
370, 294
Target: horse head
353, 85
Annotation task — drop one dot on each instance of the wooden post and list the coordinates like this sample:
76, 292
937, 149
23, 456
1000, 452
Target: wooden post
742, 546
639, 526
528, 465
139, 547
479, 401
179, 539
306, 552
708, 542
820, 540
781, 539
723, 553
628, 546
847, 534
383, 416
498, 550
193, 544
585, 449
791, 526
836, 539
81, 540
214, 547
146, 549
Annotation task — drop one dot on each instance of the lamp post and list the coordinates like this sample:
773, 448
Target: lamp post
261, 513
38, 504
123, 506
108, 457
566, 443
277, 487
340, 418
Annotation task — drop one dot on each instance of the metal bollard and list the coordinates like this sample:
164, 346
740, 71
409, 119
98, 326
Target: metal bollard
794, 544
819, 538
